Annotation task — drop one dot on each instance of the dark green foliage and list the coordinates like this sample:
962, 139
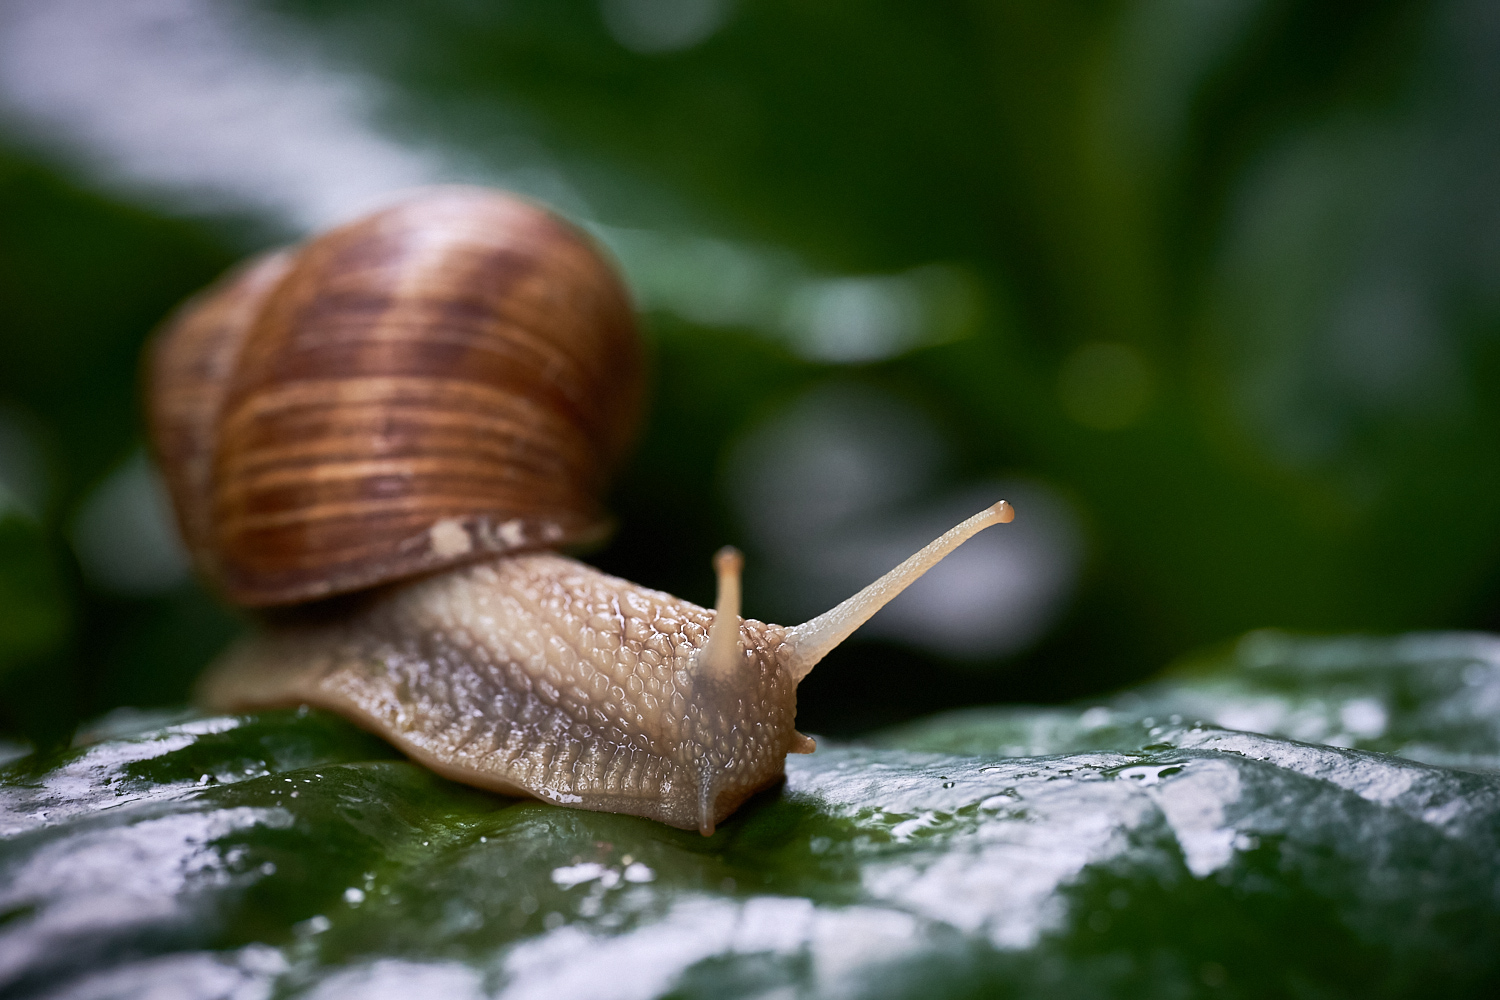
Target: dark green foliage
1281, 209
1284, 211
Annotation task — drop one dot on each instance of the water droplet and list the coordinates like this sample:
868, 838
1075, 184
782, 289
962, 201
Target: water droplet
313, 925
1148, 774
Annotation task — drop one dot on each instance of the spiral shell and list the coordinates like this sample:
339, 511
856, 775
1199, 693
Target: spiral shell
449, 378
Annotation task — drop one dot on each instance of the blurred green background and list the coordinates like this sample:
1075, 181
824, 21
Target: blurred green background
1211, 290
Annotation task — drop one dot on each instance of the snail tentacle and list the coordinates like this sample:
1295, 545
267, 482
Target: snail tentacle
722, 656
814, 639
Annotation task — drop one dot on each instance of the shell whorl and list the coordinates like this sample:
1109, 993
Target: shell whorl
451, 377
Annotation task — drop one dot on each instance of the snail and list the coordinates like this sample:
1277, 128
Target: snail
379, 440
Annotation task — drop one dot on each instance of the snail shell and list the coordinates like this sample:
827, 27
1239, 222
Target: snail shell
452, 376
403, 412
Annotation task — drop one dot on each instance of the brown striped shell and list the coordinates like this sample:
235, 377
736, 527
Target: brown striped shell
451, 377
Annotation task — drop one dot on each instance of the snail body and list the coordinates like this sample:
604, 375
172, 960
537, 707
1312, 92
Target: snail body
378, 436
536, 674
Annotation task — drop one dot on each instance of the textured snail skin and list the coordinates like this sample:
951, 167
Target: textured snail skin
535, 674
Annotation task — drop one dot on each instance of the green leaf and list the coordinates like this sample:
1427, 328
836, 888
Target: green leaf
1125, 849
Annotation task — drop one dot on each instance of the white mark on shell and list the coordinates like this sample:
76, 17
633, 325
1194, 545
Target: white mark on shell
511, 533
448, 538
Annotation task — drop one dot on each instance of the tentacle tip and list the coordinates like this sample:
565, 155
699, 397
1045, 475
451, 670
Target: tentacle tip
729, 560
802, 743
1004, 512
706, 828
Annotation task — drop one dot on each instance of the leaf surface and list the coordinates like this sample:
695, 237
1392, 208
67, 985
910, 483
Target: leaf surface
1142, 846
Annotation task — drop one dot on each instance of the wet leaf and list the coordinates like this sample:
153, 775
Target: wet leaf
1137, 847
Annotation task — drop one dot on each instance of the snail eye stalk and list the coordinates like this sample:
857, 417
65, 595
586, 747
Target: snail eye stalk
722, 656
809, 642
